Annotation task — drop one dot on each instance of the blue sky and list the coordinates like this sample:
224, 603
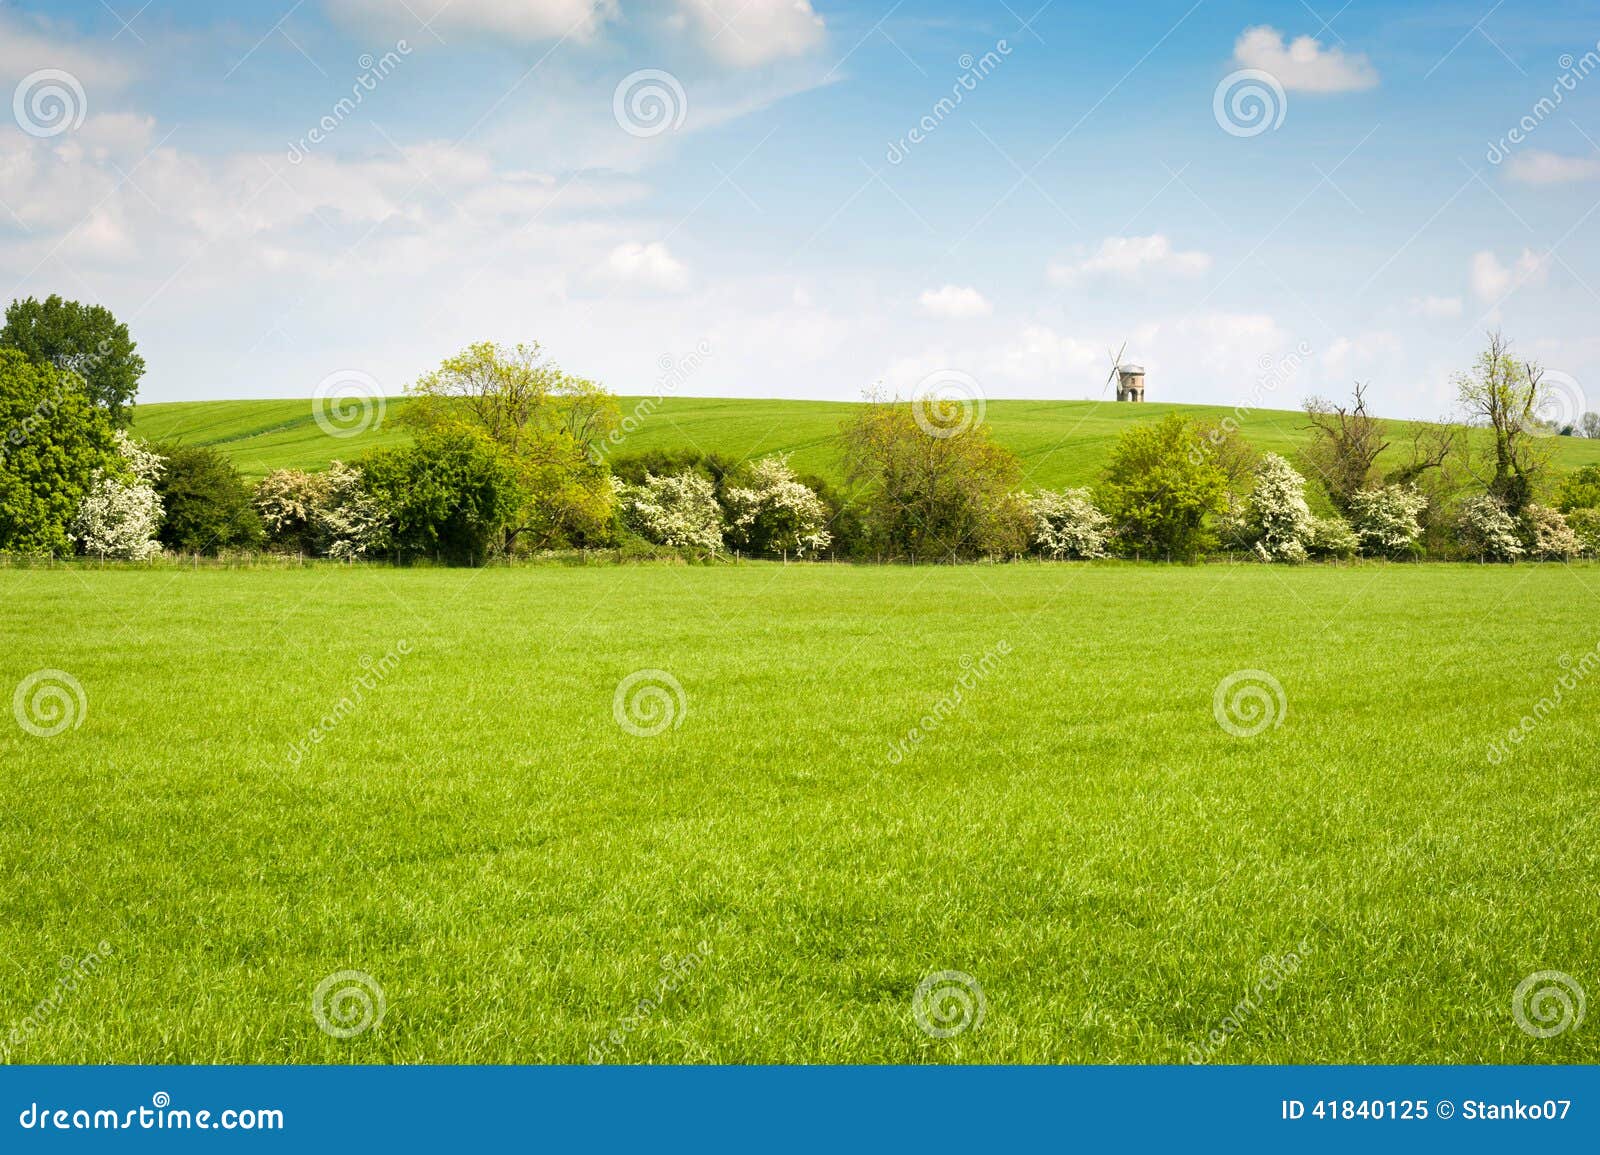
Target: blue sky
1087, 190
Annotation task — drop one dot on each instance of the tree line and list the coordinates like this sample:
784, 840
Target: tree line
508, 457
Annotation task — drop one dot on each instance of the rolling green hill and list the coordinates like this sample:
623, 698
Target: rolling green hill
1060, 442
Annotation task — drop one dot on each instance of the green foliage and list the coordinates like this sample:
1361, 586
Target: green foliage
452, 496
1162, 488
53, 444
1585, 523
548, 426
633, 468
928, 496
85, 339
206, 502
1332, 537
1579, 489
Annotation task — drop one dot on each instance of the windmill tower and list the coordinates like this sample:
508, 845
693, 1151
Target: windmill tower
1128, 376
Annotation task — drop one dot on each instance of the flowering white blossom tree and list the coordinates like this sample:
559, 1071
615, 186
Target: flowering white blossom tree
1386, 519
350, 521
121, 514
1488, 530
1279, 518
1549, 533
776, 512
1067, 524
679, 511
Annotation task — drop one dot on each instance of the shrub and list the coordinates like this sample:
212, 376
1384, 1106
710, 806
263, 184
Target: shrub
1332, 537
930, 491
288, 502
207, 504
679, 510
351, 523
1548, 534
1386, 519
1488, 531
1161, 493
1585, 524
451, 495
1279, 518
53, 443
776, 513
1580, 489
121, 516
1067, 524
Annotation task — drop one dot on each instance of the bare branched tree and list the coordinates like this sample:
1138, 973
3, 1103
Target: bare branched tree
1346, 443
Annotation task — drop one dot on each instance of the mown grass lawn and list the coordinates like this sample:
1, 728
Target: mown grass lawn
1080, 835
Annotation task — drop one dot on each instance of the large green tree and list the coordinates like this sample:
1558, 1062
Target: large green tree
85, 339
548, 424
927, 492
1163, 489
53, 440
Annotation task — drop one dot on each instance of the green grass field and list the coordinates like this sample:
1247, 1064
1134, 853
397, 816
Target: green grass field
1060, 442
1079, 834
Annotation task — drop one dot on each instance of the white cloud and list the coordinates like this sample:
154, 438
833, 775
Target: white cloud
1539, 167
955, 303
1493, 281
1435, 308
648, 266
1303, 65
745, 33
1131, 259
518, 19
27, 46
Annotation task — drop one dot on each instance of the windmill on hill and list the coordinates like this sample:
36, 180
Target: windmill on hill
1128, 376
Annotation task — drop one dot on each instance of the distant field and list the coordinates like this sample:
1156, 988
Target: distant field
1060, 442
1079, 834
